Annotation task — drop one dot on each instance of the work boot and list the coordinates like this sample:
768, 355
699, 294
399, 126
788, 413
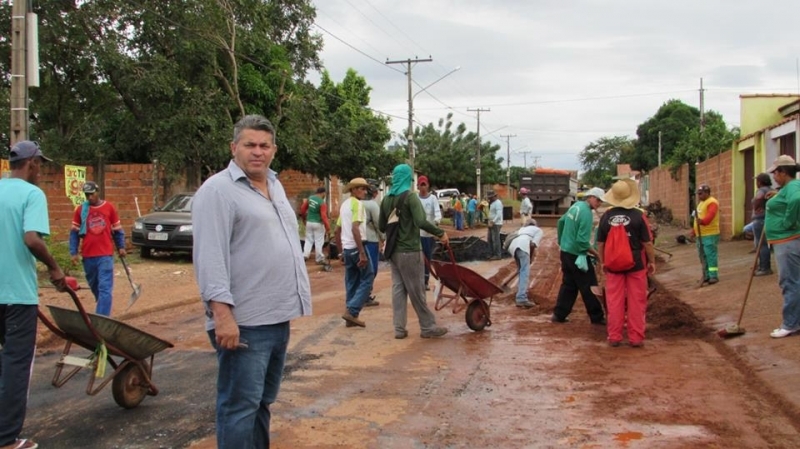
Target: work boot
434, 333
555, 319
354, 320
526, 304
713, 281
371, 302
400, 334
762, 273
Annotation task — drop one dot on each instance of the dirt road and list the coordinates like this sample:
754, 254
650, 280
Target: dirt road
522, 383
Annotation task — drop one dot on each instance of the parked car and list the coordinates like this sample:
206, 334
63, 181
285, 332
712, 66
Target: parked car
444, 196
169, 228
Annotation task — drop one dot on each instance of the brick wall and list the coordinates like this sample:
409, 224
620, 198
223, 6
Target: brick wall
124, 185
672, 192
717, 172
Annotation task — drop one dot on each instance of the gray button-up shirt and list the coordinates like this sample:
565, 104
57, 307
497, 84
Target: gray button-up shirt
247, 250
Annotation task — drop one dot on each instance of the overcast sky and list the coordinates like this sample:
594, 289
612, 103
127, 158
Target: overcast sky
560, 74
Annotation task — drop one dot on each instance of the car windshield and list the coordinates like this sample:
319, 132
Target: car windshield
178, 203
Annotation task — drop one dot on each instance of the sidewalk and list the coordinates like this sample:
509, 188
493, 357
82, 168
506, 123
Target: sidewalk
772, 362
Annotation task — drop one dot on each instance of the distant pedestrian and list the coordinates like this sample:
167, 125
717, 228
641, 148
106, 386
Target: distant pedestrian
483, 210
433, 214
759, 204
253, 281
406, 259
23, 222
97, 223
625, 286
315, 215
523, 248
783, 233
706, 228
374, 238
525, 207
472, 208
351, 234
458, 212
495, 223
577, 270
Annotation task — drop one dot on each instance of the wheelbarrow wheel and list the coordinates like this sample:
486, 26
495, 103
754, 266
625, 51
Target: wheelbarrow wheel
478, 315
129, 386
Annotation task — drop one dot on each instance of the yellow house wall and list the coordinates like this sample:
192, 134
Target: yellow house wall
759, 112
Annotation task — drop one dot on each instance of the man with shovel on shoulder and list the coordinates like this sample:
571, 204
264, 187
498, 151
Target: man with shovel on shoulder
96, 222
706, 228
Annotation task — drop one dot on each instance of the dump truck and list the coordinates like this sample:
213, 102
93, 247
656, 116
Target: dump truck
552, 192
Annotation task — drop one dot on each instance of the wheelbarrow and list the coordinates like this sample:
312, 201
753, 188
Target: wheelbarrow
128, 351
470, 291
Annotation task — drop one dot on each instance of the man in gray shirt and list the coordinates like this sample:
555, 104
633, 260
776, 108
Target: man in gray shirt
252, 278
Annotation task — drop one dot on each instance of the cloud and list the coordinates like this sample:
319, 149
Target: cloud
562, 74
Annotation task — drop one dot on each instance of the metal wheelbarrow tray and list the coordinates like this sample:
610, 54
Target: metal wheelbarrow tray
132, 374
466, 285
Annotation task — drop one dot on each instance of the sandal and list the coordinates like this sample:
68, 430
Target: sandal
22, 444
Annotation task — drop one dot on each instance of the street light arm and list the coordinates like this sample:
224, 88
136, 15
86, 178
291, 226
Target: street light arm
431, 84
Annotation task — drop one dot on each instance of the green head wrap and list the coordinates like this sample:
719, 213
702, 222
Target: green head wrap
401, 179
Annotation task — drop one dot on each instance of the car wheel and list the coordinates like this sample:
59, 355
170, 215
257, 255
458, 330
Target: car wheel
146, 252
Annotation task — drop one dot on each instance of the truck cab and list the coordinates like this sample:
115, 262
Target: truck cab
444, 196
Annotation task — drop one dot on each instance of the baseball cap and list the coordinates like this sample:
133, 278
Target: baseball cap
423, 180
596, 192
26, 149
89, 187
783, 160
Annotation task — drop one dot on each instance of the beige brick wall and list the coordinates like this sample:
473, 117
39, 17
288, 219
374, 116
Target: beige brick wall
673, 192
717, 172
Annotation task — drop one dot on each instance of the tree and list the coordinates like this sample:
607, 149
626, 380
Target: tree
699, 145
599, 159
674, 119
448, 155
350, 138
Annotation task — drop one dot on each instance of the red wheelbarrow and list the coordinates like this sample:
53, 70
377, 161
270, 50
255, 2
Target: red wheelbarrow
106, 338
466, 285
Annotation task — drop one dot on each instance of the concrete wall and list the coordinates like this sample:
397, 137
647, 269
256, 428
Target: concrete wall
673, 192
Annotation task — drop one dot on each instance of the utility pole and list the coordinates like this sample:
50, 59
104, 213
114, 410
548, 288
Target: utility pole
508, 161
478, 160
411, 153
659, 148
702, 107
525, 157
19, 86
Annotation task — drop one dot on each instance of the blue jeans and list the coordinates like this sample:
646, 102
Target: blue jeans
764, 263
458, 220
100, 276
787, 255
372, 251
427, 249
357, 282
18, 337
248, 382
494, 241
523, 260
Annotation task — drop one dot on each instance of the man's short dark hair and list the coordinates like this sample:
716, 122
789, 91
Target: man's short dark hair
764, 179
320, 189
788, 169
256, 122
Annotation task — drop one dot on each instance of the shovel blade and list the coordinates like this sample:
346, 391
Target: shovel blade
137, 291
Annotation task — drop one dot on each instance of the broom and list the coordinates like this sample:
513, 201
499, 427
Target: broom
734, 330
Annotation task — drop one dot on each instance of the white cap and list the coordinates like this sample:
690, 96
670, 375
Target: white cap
596, 192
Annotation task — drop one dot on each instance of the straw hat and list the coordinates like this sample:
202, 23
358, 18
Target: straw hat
623, 193
356, 182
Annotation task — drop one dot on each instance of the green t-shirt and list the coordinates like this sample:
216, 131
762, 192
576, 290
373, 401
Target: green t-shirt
412, 219
314, 205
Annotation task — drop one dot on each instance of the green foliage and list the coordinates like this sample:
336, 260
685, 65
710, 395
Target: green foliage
699, 145
448, 155
60, 252
599, 159
674, 119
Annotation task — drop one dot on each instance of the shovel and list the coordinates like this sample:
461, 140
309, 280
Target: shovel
734, 330
137, 289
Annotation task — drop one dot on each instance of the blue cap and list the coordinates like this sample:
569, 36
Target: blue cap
26, 149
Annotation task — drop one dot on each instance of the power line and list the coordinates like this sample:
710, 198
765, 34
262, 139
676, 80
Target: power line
354, 48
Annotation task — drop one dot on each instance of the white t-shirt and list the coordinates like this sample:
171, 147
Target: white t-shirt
527, 234
430, 204
352, 211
